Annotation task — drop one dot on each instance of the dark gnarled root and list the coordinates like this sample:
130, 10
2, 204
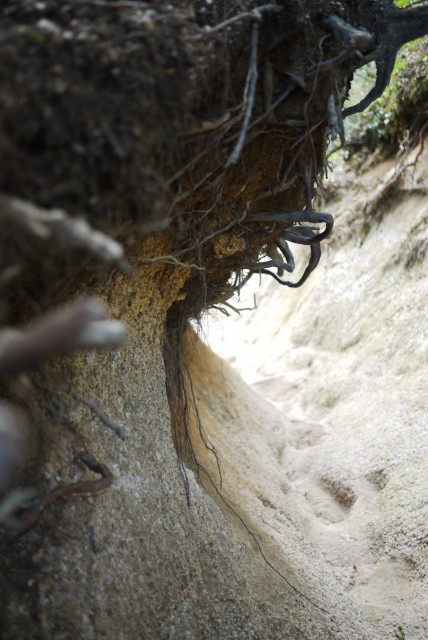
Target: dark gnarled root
298, 233
85, 486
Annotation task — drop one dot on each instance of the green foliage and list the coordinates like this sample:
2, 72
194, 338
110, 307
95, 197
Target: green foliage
387, 118
402, 4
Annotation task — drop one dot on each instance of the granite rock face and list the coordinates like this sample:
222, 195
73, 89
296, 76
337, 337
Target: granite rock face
156, 556
345, 361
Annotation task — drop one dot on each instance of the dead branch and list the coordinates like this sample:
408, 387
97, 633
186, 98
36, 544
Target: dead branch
170, 259
114, 425
55, 224
255, 14
129, 4
335, 120
375, 206
232, 307
248, 101
421, 144
273, 106
81, 325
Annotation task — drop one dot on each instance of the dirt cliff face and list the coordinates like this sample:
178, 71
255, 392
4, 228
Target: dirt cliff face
135, 117
141, 146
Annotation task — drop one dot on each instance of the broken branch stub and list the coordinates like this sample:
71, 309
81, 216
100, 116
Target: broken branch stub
56, 224
81, 325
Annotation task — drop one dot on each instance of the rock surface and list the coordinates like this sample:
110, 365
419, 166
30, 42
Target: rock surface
344, 361
143, 559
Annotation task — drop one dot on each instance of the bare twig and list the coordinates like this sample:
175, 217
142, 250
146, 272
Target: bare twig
215, 233
212, 144
129, 4
195, 246
114, 425
208, 125
55, 224
421, 143
232, 307
255, 14
249, 95
170, 259
273, 106
81, 325
384, 189
190, 165
335, 119
84, 486
307, 134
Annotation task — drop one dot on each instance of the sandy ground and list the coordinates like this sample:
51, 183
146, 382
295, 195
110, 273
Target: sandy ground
328, 440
